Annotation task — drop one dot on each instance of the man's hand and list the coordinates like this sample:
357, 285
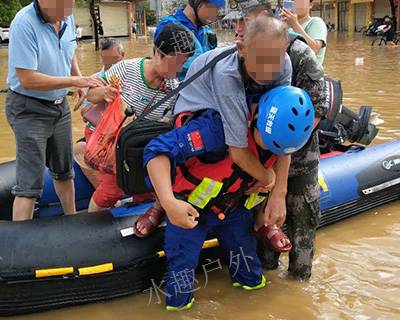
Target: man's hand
275, 210
181, 213
79, 96
87, 82
290, 18
110, 92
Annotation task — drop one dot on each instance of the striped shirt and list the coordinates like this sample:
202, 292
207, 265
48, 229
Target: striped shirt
136, 91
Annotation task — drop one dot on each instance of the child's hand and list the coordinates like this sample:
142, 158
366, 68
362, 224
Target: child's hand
181, 213
269, 179
258, 187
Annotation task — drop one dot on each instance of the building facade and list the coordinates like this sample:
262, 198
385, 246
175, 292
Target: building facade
352, 15
116, 18
346, 15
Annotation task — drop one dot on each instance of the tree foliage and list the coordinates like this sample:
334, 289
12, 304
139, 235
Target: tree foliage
150, 14
81, 1
8, 10
169, 6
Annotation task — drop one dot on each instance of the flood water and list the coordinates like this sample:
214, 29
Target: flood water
356, 272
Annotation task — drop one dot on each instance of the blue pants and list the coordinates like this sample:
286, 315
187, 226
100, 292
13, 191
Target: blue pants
183, 247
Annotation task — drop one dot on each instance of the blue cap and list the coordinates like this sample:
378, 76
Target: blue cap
218, 3
285, 119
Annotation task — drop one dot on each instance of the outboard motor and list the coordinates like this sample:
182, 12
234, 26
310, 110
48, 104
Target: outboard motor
342, 125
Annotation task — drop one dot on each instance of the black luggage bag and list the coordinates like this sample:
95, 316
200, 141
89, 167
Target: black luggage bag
133, 138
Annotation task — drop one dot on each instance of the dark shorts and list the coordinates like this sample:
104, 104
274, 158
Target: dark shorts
43, 137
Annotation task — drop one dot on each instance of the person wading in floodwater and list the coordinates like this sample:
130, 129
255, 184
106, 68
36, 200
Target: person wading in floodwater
299, 195
41, 67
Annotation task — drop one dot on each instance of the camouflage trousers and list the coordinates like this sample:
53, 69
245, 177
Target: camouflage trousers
302, 219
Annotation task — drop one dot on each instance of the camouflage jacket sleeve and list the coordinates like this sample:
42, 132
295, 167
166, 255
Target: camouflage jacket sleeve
308, 75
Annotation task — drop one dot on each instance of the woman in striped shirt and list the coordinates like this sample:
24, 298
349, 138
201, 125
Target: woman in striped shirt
143, 81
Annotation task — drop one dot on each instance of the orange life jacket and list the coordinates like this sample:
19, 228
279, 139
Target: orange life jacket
218, 186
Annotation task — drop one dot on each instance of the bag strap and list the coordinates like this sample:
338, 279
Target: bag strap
129, 112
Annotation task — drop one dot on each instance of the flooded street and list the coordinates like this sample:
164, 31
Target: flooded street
356, 272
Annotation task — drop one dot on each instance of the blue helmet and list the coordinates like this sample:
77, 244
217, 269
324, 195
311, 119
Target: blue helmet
285, 119
218, 3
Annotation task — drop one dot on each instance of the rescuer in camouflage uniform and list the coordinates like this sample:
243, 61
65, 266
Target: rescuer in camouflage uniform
302, 199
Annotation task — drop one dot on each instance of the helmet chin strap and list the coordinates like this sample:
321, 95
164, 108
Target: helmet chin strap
195, 6
253, 123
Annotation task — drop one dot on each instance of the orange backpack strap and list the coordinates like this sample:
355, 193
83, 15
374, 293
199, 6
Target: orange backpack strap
182, 118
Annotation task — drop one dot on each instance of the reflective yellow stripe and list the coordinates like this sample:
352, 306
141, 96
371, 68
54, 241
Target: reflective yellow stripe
43, 273
96, 269
253, 200
204, 192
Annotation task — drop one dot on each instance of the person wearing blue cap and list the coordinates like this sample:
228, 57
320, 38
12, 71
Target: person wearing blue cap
202, 190
195, 17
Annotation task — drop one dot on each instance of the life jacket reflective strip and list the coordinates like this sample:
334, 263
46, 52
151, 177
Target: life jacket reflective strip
204, 192
218, 186
254, 200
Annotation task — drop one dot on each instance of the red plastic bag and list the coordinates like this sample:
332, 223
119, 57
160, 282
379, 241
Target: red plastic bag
100, 149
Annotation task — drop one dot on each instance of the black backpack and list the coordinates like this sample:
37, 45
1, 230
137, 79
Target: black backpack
132, 140
131, 174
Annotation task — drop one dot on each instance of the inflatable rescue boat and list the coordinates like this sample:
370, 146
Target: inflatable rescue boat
55, 260
59, 261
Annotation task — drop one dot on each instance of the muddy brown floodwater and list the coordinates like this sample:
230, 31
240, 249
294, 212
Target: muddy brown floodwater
357, 264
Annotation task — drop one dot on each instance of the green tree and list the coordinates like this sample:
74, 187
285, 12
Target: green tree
81, 1
170, 6
8, 10
150, 14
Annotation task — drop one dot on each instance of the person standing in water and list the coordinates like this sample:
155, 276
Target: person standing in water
134, 28
42, 66
390, 30
299, 197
